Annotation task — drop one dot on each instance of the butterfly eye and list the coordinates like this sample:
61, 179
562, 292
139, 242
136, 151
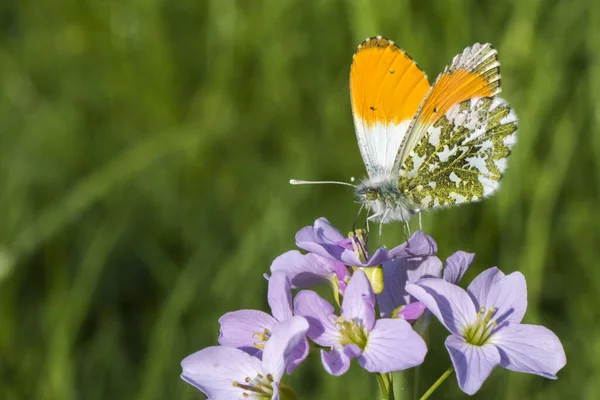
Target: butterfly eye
372, 194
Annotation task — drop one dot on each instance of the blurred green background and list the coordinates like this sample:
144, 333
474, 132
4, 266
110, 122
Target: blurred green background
145, 153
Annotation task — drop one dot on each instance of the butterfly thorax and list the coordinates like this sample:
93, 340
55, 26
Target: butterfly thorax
383, 198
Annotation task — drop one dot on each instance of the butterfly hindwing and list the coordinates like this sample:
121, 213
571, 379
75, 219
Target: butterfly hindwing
386, 88
462, 156
472, 74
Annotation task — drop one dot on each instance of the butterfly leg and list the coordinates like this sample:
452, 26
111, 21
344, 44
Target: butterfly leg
370, 218
406, 230
380, 243
356, 219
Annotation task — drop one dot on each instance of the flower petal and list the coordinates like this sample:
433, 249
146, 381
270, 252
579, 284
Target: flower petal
482, 284
214, 369
473, 364
392, 346
319, 314
337, 361
530, 348
326, 241
394, 280
359, 300
280, 350
350, 258
321, 238
449, 303
419, 244
400, 271
280, 296
380, 256
421, 267
298, 355
343, 277
275, 387
304, 271
238, 329
507, 293
412, 311
456, 265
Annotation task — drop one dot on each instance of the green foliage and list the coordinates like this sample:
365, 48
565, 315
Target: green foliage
145, 150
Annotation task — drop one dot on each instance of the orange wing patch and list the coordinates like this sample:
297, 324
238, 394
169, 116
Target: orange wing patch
386, 85
452, 89
474, 73
467, 77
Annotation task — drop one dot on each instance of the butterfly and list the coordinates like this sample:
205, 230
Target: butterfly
427, 146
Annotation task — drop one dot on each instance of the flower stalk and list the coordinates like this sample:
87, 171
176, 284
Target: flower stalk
386, 385
437, 383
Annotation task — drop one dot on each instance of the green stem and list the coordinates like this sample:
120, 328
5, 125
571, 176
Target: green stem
386, 385
437, 383
416, 385
391, 386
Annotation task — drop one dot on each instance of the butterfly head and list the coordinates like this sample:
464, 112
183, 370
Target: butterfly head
375, 188
366, 194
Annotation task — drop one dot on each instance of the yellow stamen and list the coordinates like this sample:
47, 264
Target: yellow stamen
480, 331
352, 332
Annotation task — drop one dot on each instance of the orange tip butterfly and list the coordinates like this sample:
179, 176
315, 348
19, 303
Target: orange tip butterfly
427, 146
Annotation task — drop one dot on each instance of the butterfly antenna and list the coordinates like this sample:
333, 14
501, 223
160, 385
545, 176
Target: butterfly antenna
300, 182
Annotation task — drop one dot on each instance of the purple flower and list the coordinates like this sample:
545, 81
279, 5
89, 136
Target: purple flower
456, 265
225, 373
486, 329
382, 346
419, 244
323, 239
307, 270
416, 260
250, 330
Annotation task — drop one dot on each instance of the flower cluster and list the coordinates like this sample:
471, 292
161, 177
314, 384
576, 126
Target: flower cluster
384, 300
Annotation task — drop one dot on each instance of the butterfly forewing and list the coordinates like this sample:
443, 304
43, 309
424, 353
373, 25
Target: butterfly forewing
386, 88
462, 155
472, 74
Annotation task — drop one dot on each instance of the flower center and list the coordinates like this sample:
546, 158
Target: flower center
260, 387
480, 331
352, 332
262, 338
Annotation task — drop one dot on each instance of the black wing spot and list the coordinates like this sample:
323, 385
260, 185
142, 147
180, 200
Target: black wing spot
372, 108
434, 109
392, 71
